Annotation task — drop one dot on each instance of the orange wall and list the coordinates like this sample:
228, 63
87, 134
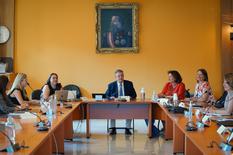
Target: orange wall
59, 36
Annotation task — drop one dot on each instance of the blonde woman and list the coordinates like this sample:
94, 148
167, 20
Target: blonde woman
228, 104
17, 94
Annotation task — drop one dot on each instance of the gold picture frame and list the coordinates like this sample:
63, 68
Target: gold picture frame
117, 28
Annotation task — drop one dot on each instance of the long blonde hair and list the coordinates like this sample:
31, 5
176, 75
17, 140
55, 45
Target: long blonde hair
16, 84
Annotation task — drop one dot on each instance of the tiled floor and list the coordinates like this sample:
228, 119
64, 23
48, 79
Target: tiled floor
101, 143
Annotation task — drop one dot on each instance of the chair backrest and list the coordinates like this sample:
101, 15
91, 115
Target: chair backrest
36, 94
94, 94
187, 94
73, 87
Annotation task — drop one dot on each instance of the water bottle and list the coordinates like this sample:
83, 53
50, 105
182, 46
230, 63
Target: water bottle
49, 112
190, 111
11, 128
175, 99
143, 94
154, 96
54, 104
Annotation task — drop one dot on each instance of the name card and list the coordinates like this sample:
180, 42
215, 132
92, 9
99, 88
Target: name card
221, 129
98, 97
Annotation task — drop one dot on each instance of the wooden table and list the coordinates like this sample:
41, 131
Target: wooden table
188, 142
43, 143
110, 109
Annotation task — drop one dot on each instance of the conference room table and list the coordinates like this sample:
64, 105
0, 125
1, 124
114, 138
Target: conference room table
44, 142
187, 142
111, 109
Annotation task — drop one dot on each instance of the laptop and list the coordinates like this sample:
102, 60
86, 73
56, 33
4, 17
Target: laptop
61, 95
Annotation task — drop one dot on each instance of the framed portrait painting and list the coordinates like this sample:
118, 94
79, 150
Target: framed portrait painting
117, 27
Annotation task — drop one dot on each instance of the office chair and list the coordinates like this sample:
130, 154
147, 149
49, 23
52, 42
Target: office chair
35, 95
187, 93
73, 87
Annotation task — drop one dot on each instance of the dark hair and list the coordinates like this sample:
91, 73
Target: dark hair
48, 81
205, 74
119, 71
3, 83
229, 78
176, 75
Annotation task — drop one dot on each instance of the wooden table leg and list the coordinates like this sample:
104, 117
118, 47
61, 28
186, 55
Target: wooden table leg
150, 121
178, 139
88, 122
45, 148
68, 132
58, 134
190, 148
168, 128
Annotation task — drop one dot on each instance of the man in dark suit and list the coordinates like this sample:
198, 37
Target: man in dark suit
118, 88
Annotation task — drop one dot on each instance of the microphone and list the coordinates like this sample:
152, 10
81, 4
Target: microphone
30, 86
41, 123
209, 107
13, 147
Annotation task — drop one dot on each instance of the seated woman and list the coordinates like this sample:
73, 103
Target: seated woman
17, 94
5, 104
174, 85
228, 104
51, 86
203, 94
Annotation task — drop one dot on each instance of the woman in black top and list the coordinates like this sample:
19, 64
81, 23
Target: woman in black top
5, 104
17, 93
51, 86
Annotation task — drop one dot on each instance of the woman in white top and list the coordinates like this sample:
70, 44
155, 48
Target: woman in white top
51, 86
228, 104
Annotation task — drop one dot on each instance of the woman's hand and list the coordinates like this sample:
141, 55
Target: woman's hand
23, 106
194, 99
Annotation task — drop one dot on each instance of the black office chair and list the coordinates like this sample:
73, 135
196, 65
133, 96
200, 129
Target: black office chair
35, 95
73, 87
187, 93
104, 96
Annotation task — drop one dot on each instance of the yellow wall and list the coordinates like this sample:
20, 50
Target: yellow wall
59, 36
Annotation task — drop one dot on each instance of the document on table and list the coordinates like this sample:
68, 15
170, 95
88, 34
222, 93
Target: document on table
25, 115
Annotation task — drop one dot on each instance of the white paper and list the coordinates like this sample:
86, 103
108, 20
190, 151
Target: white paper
205, 119
221, 129
163, 101
182, 104
28, 115
98, 97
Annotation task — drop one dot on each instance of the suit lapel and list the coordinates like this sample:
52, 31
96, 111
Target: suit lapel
125, 88
116, 89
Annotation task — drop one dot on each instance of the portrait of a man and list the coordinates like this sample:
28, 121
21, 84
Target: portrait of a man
117, 28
